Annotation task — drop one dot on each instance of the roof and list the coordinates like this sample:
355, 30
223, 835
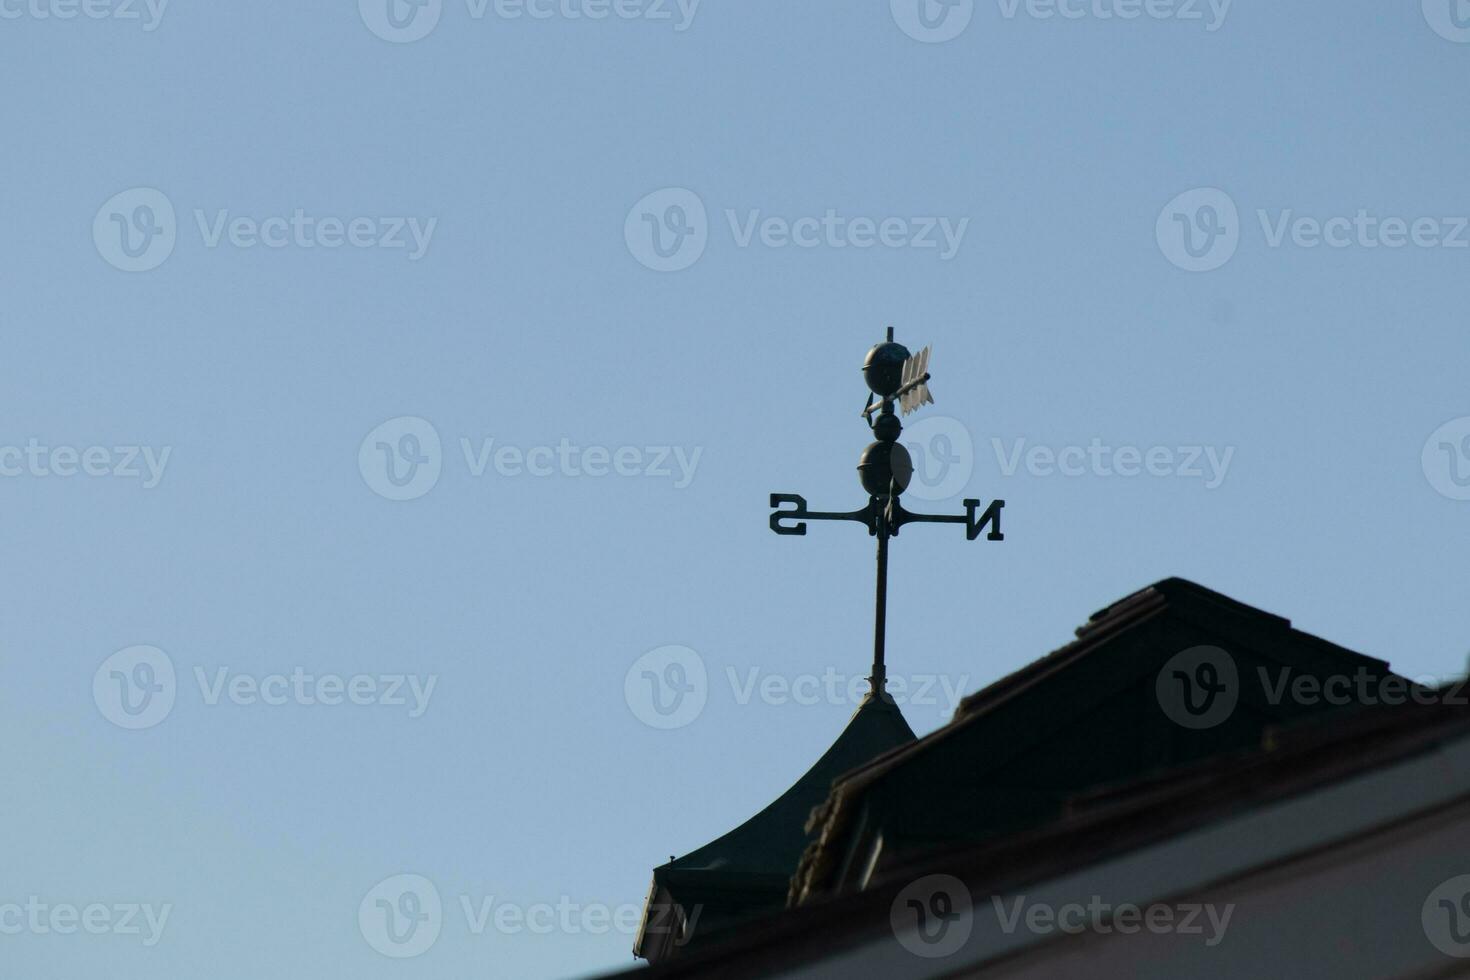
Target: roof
773, 839
749, 868
1291, 764
1084, 715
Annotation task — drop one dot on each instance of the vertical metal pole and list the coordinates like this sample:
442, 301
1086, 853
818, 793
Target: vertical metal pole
879, 681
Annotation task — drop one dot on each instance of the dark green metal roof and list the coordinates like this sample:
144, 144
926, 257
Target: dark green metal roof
772, 841
747, 872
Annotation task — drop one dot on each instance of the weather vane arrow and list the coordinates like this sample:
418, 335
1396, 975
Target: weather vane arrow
885, 469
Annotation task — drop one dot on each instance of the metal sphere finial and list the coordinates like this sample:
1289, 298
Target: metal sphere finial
883, 368
885, 468
887, 427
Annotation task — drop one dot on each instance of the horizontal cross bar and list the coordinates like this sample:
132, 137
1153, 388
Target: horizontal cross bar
793, 520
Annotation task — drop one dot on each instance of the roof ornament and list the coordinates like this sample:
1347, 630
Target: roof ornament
885, 469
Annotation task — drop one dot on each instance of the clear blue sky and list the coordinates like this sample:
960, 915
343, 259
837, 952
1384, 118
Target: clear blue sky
532, 316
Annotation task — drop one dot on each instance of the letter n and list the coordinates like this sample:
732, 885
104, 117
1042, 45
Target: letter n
991, 519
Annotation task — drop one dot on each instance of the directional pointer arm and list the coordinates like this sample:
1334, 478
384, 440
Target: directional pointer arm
800, 515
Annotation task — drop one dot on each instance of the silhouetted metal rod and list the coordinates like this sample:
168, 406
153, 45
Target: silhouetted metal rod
879, 680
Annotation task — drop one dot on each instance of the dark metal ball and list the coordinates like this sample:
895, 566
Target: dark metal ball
883, 368
887, 428
884, 464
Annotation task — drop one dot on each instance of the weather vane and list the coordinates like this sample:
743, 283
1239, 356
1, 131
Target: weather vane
885, 469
